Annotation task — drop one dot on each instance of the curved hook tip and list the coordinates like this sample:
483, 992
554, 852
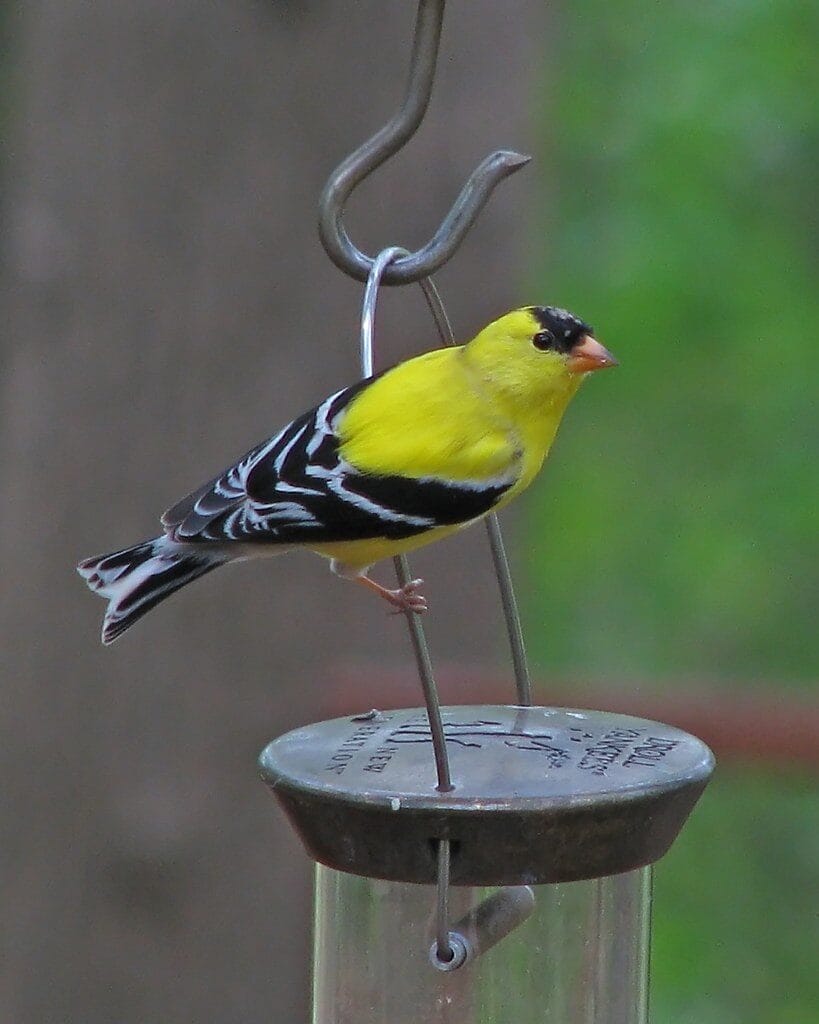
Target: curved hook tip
514, 160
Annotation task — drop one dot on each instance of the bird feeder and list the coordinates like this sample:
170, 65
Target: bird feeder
478, 864
551, 826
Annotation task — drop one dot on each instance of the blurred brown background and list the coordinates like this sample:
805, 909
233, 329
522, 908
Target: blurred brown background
166, 303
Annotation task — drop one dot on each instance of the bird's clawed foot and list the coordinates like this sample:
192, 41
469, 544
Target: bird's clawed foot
403, 599
407, 598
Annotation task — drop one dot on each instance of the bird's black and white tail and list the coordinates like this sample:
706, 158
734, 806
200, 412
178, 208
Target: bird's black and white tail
137, 578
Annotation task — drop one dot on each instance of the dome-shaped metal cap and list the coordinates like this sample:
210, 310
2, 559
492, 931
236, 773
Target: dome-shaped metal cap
540, 794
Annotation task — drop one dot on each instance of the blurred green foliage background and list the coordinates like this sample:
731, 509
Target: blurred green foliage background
681, 222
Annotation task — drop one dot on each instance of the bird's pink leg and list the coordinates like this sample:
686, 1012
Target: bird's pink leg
403, 599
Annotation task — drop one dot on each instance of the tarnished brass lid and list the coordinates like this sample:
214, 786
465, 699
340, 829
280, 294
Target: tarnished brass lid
541, 794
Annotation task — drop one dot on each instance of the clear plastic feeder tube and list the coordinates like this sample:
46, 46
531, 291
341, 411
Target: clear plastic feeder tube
581, 956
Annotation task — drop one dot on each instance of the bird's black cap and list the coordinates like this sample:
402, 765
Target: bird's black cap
567, 328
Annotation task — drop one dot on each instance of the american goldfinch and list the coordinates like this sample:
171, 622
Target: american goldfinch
392, 463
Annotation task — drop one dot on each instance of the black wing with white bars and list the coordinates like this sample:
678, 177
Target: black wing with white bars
297, 489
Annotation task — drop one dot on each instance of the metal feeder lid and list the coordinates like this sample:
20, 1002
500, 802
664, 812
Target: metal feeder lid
540, 794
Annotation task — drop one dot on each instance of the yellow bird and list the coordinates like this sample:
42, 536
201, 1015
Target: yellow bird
396, 461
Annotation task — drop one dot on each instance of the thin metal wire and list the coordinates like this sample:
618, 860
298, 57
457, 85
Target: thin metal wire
369, 303
387, 141
511, 615
445, 951
416, 630
424, 663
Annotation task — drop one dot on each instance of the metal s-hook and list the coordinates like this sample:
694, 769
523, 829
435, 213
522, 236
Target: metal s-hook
386, 142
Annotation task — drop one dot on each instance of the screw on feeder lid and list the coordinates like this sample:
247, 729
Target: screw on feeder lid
540, 795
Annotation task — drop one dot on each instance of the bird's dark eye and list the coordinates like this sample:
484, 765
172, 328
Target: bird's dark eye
543, 340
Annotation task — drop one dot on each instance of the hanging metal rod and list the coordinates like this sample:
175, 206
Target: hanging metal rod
377, 271
416, 630
386, 142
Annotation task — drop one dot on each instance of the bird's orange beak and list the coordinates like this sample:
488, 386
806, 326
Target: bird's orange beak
588, 354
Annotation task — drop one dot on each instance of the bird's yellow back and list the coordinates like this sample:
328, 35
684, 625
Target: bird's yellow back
425, 417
